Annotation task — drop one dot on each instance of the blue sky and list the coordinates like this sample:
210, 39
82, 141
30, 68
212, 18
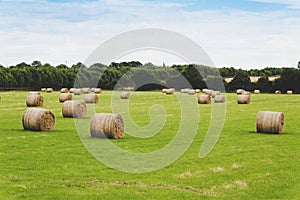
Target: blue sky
239, 33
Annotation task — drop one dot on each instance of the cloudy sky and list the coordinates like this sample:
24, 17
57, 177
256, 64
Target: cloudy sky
238, 33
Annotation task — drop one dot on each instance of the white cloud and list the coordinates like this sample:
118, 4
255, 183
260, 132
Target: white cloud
290, 3
55, 32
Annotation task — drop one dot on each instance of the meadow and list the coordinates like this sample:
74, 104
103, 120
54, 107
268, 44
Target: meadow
243, 164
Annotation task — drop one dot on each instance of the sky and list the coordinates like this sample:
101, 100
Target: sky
244, 34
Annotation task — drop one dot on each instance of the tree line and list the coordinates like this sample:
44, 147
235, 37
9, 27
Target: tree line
144, 76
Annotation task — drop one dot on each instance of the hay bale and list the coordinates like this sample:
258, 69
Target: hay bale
64, 90
243, 99
206, 91
191, 92
277, 92
220, 99
93, 89
239, 91
38, 119
86, 90
169, 91
173, 89
214, 93
74, 108
98, 91
91, 98
125, 95
43, 89
197, 90
256, 91
65, 97
78, 91
289, 92
270, 122
49, 90
164, 90
106, 125
204, 99
185, 90
34, 100
72, 90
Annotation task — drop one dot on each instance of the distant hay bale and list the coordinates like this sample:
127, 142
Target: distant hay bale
86, 90
239, 91
65, 97
173, 89
185, 90
204, 99
93, 89
78, 91
206, 91
38, 119
125, 95
270, 122
197, 90
49, 90
191, 92
91, 98
169, 91
243, 99
164, 90
72, 90
289, 92
256, 91
106, 125
74, 108
246, 93
277, 92
220, 99
214, 93
98, 91
43, 89
34, 100
64, 90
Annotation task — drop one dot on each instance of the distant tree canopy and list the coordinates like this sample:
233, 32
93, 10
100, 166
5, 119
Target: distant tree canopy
144, 77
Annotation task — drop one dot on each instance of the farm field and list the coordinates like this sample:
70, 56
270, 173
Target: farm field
242, 165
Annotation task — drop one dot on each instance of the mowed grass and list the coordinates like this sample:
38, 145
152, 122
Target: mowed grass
243, 164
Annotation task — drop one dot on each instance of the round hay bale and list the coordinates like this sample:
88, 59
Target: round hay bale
65, 97
72, 90
220, 99
169, 91
64, 90
49, 90
289, 92
197, 90
34, 92
164, 90
106, 125
86, 90
91, 98
38, 119
125, 95
270, 122
93, 89
239, 91
206, 91
34, 100
98, 91
173, 89
74, 108
78, 91
43, 89
246, 93
204, 99
185, 90
214, 93
243, 99
277, 92
191, 92
256, 91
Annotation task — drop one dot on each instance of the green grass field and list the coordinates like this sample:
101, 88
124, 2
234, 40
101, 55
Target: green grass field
243, 164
